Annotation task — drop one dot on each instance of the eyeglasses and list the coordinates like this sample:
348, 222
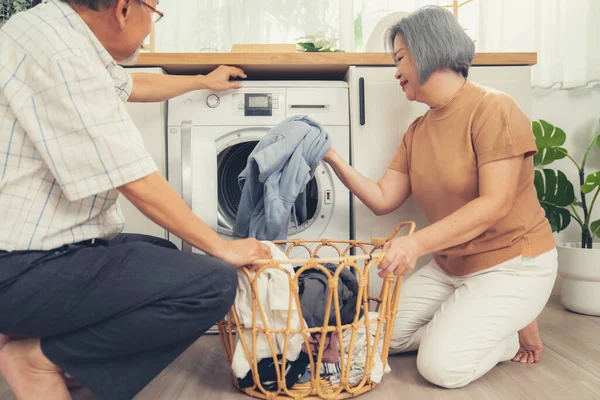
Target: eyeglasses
156, 15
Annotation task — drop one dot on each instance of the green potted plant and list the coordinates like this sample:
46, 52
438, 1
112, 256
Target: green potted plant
317, 43
578, 263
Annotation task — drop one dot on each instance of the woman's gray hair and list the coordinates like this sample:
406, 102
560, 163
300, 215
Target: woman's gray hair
435, 40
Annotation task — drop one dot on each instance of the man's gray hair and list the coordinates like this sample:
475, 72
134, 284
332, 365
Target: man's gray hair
435, 40
95, 5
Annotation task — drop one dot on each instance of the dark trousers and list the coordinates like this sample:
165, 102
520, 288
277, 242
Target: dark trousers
113, 314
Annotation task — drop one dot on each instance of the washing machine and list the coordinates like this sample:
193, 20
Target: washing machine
211, 135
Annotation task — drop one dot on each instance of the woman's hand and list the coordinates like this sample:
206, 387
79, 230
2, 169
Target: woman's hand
330, 155
401, 256
245, 252
380, 197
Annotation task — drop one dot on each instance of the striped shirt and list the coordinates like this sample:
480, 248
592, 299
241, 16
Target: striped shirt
66, 139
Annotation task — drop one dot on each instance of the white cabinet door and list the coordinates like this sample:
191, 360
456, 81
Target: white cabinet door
150, 118
376, 134
379, 117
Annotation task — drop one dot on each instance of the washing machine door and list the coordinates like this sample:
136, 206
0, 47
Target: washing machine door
192, 171
216, 192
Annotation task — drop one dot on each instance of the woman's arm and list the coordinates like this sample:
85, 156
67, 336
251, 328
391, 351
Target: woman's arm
156, 87
498, 182
381, 197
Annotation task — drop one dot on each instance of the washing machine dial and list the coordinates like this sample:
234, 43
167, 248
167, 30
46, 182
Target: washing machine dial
212, 100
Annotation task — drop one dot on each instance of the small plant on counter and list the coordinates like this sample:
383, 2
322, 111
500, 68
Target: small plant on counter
317, 42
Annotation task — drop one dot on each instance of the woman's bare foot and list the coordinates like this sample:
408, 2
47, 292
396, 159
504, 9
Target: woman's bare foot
30, 374
530, 343
3, 340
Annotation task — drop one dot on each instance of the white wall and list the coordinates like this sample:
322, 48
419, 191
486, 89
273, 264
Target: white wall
576, 112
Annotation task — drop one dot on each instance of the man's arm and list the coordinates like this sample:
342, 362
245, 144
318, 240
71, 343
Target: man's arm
157, 200
156, 87
170, 211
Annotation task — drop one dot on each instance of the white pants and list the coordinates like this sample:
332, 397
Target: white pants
464, 326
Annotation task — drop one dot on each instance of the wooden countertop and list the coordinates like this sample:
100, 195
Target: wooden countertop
297, 65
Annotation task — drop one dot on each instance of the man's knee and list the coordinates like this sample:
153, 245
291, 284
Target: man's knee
230, 283
222, 290
440, 368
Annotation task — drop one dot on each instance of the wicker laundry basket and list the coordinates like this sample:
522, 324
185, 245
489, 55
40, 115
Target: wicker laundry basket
380, 327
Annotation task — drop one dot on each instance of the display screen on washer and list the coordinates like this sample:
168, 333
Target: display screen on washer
258, 104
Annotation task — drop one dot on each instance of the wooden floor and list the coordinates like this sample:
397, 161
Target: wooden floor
570, 369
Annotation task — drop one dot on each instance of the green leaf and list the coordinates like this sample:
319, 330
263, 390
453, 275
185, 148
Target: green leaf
591, 182
554, 192
330, 50
559, 218
308, 46
598, 141
548, 139
595, 228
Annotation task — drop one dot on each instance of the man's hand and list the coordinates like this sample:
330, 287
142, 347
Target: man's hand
157, 87
218, 80
245, 252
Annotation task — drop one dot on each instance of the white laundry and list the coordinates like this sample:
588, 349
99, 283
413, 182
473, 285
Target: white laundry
359, 352
354, 376
274, 295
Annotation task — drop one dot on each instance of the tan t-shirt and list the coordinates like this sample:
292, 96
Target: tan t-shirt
442, 151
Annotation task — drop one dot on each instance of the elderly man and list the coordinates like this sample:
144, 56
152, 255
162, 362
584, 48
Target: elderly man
111, 310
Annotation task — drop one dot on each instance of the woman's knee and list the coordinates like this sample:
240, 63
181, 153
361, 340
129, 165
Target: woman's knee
401, 340
439, 367
406, 334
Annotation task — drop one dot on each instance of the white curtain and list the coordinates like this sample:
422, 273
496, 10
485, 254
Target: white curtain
564, 33
214, 25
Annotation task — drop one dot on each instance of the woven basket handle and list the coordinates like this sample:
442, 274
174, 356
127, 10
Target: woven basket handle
378, 242
400, 225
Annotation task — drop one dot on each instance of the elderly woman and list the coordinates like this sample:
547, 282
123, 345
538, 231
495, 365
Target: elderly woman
468, 163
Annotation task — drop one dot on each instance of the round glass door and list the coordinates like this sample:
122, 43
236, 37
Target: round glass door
231, 161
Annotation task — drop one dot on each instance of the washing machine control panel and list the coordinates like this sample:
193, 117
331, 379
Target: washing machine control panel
213, 100
262, 105
258, 104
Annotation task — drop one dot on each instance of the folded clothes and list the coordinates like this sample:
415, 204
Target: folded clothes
273, 293
313, 290
359, 353
333, 372
268, 373
354, 377
331, 349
